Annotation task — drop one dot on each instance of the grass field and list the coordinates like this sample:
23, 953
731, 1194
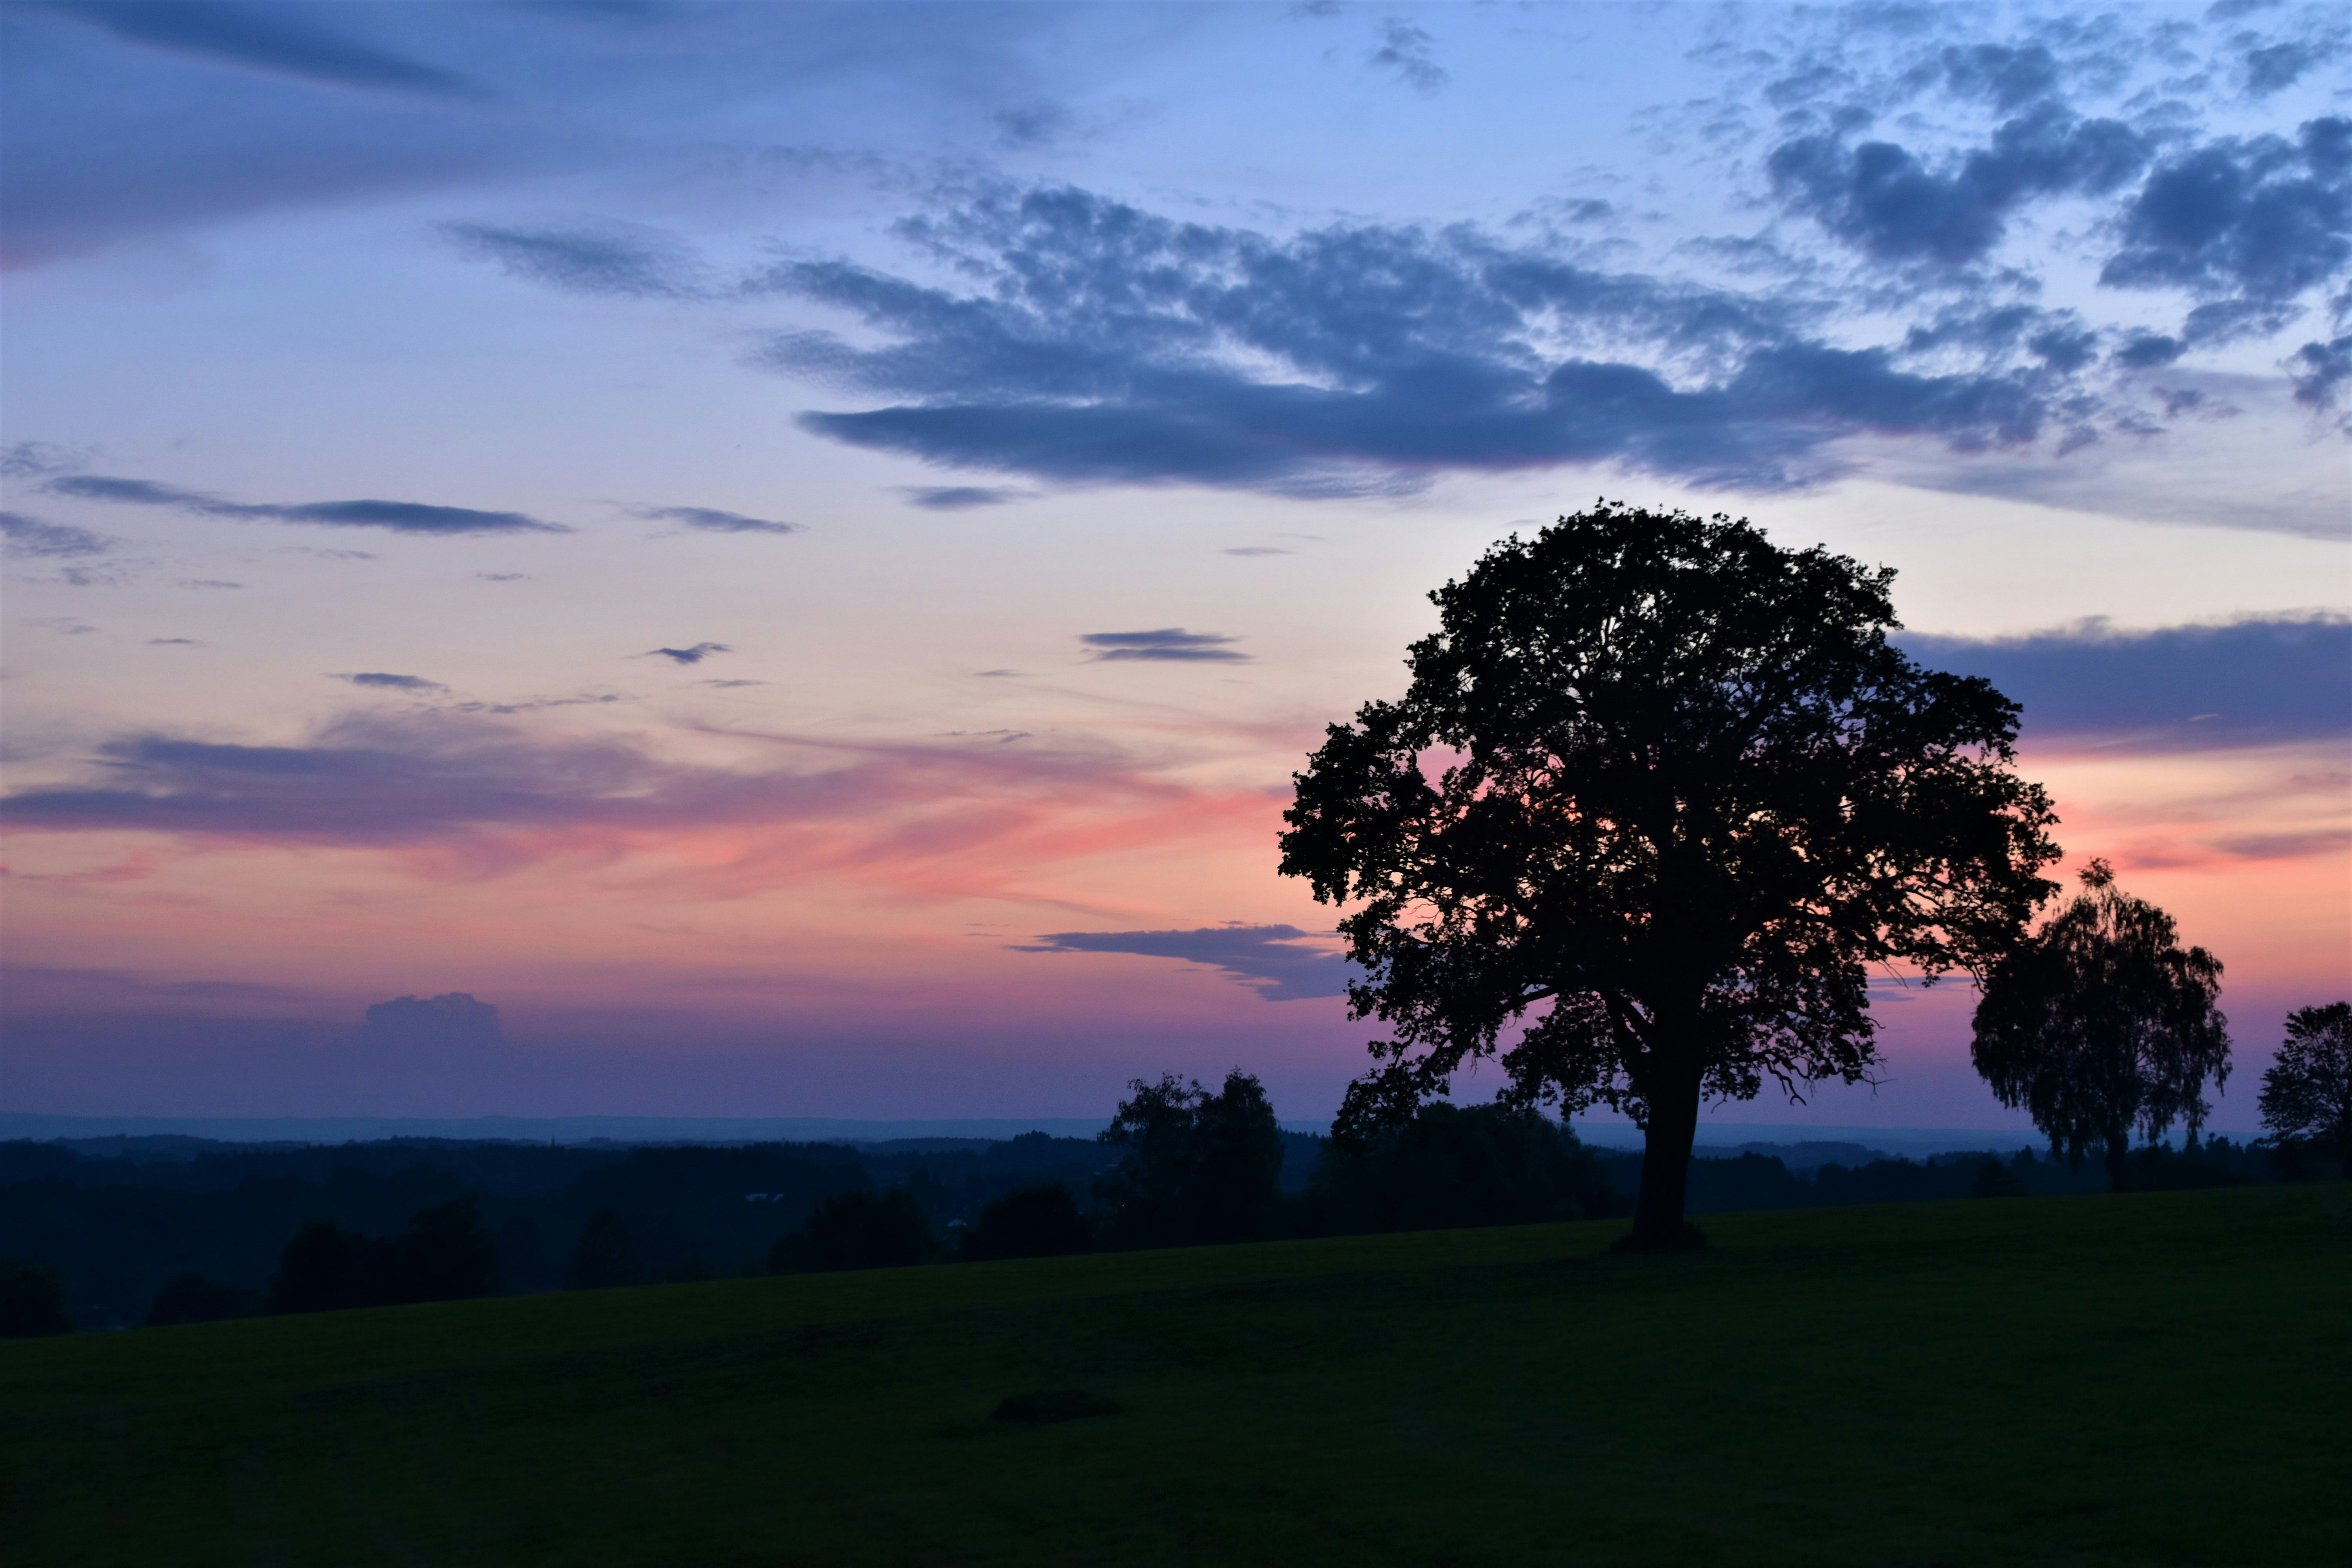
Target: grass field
2142, 1379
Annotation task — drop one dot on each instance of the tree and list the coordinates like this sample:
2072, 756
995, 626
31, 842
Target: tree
2101, 1024
1657, 795
857, 1230
1487, 1164
1200, 1168
32, 1302
2308, 1093
606, 1255
1028, 1222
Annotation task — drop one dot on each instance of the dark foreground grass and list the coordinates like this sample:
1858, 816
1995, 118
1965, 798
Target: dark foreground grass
2159, 1378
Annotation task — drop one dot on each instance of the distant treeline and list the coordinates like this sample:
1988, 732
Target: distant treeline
132, 1231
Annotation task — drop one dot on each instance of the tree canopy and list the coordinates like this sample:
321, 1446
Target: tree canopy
2307, 1093
2102, 1023
1200, 1167
1658, 794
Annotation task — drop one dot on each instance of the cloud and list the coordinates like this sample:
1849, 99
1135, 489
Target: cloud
286, 40
708, 519
1882, 198
399, 517
454, 1024
1409, 52
1036, 124
957, 498
1257, 550
2251, 683
1172, 645
173, 642
382, 682
503, 576
460, 796
1102, 344
610, 258
30, 537
2259, 217
694, 655
1274, 960
209, 583
731, 685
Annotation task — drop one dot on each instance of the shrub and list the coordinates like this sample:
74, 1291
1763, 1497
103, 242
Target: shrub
605, 1256
1029, 1221
194, 1299
857, 1230
32, 1302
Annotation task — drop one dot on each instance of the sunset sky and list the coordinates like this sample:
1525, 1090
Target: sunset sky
792, 550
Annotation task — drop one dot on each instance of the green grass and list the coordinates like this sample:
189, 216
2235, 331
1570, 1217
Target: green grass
2155, 1378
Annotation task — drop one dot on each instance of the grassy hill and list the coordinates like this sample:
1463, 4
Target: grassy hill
2159, 1377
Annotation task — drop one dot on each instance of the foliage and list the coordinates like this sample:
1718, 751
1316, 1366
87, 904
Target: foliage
1033, 1222
1661, 792
2101, 1024
32, 1302
444, 1256
1995, 1180
1199, 1168
2307, 1093
857, 1230
1448, 1166
605, 1256
195, 1298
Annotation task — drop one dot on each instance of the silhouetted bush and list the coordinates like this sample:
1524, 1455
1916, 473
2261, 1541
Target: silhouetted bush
605, 1256
194, 1299
1995, 1180
445, 1255
857, 1230
32, 1302
1035, 1222
1200, 1168
1451, 1167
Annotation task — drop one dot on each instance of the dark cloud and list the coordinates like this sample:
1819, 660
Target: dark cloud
614, 259
1409, 52
398, 516
2273, 68
30, 537
382, 682
1105, 345
284, 39
957, 498
694, 655
2177, 689
1885, 199
2262, 216
451, 1024
1276, 960
709, 520
2006, 76
173, 642
2319, 372
1031, 125
1172, 645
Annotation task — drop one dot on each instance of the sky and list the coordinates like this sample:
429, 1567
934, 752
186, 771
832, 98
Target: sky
679, 559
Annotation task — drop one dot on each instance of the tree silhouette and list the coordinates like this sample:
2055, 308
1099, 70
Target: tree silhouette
32, 1302
2308, 1093
2101, 1024
606, 1256
1200, 1168
1658, 792
857, 1230
1028, 1222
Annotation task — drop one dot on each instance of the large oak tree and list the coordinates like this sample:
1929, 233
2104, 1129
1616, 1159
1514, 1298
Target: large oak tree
1659, 796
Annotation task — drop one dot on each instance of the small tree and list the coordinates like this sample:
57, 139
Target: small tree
1200, 1168
2308, 1094
32, 1302
1028, 1222
1660, 793
857, 1230
605, 1256
2102, 1023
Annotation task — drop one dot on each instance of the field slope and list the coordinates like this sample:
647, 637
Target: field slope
2156, 1378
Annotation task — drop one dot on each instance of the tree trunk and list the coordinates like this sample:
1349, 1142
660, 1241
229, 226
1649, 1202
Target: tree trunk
1658, 1222
2119, 1153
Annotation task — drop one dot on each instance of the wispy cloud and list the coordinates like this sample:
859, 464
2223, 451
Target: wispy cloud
1172, 645
709, 520
396, 516
283, 40
694, 655
958, 497
30, 537
380, 682
1279, 962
